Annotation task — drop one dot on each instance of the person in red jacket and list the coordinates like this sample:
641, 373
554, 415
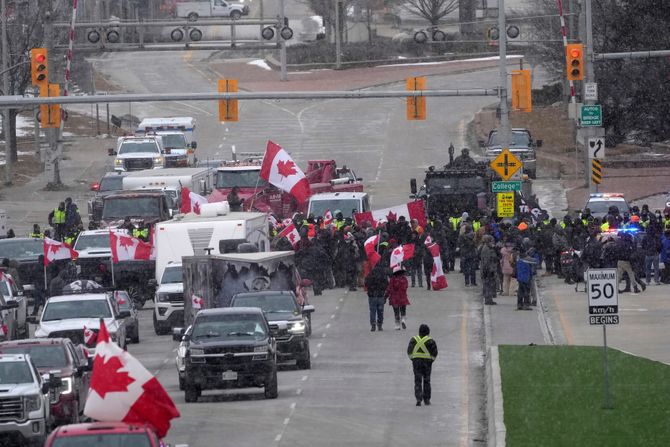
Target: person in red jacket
397, 293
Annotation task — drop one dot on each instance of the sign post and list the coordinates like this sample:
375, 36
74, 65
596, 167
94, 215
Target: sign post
602, 288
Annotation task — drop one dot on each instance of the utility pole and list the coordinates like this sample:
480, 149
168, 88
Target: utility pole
338, 37
5, 88
589, 77
282, 43
504, 131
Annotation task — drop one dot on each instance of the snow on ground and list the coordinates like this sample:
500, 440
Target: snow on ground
260, 63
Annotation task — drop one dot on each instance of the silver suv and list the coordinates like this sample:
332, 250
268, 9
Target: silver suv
25, 399
137, 153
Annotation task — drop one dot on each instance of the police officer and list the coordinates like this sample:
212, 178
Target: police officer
422, 351
37, 233
57, 221
141, 232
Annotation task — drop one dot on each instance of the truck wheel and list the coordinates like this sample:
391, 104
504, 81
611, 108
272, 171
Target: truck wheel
271, 391
305, 360
191, 392
192, 17
235, 15
158, 328
135, 339
181, 384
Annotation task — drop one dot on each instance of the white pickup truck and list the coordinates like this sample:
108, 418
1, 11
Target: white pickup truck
212, 8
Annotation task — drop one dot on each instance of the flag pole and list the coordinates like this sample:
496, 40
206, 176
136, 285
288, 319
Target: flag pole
46, 287
111, 262
255, 193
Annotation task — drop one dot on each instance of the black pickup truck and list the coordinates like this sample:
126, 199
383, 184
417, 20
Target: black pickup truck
229, 348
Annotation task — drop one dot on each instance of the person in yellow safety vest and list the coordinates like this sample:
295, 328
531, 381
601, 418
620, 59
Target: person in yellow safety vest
57, 221
422, 351
141, 232
37, 233
339, 219
455, 222
476, 225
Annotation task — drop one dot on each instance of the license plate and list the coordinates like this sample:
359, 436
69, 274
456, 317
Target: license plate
229, 375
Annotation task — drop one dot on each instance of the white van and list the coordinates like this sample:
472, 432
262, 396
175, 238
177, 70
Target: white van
346, 202
178, 135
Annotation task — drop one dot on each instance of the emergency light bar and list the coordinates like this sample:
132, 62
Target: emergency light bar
606, 195
623, 230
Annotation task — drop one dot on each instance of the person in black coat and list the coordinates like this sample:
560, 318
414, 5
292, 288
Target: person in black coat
422, 351
376, 283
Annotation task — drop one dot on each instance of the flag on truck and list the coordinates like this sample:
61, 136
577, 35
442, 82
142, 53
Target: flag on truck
128, 248
190, 201
290, 233
410, 210
123, 390
55, 251
281, 171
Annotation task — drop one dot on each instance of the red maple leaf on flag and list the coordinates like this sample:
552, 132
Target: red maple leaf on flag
54, 248
286, 168
196, 208
107, 378
397, 251
125, 241
291, 237
391, 216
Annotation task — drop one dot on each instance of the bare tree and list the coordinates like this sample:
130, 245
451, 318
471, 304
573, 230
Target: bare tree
431, 10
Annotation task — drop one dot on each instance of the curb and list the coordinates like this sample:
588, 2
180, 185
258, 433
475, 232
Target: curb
494, 400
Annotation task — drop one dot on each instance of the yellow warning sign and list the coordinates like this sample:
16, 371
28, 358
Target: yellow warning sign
505, 204
506, 164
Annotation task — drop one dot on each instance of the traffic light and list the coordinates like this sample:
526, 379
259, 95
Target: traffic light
574, 61
39, 67
228, 108
521, 91
416, 105
50, 114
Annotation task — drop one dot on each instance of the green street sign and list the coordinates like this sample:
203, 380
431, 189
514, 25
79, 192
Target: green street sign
591, 116
506, 186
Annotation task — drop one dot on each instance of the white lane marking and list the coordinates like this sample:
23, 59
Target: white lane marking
323, 335
319, 345
194, 108
174, 350
332, 316
165, 361
341, 299
286, 421
298, 391
278, 438
328, 326
156, 372
337, 307
315, 355
304, 378
293, 406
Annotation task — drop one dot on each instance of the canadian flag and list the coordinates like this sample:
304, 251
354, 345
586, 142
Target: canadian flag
191, 201
128, 248
401, 253
4, 330
273, 221
438, 280
290, 233
197, 302
370, 246
89, 337
5, 277
55, 250
327, 217
411, 210
280, 170
121, 389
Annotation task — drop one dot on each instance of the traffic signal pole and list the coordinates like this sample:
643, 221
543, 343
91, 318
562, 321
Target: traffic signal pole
589, 77
5, 88
504, 132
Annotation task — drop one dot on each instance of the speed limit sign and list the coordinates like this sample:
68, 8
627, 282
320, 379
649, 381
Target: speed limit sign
603, 296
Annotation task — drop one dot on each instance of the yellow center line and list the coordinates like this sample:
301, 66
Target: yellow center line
567, 329
464, 375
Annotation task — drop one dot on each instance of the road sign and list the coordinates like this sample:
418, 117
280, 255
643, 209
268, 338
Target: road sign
590, 91
596, 171
513, 185
506, 164
603, 296
591, 116
597, 147
505, 204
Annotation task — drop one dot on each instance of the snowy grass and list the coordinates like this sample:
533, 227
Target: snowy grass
554, 396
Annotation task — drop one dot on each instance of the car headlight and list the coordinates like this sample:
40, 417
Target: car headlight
260, 349
67, 385
196, 352
118, 161
162, 297
297, 328
32, 402
158, 160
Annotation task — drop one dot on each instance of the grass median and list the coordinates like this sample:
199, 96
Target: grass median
554, 396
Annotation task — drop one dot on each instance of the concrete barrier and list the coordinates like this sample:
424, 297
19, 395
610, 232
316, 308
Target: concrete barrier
494, 400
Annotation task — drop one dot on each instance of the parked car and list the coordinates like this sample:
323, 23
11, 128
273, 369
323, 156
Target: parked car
229, 348
66, 361
8, 325
103, 434
133, 320
26, 251
283, 312
11, 293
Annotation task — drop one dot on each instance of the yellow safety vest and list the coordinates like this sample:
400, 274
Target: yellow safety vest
339, 224
563, 225
37, 235
69, 240
420, 350
454, 222
140, 233
605, 226
476, 225
59, 217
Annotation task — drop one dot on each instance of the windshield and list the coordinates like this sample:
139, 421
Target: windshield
134, 147
242, 179
112, 183
347, 206
268, 303
104, 440
172, 275
15, 372
519, 139
131, 207
229, 327
602, 206
452, 185
52, 356
88, 241
64, 310
174, 141
21, 249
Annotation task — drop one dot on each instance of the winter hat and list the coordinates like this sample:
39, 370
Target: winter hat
464, 216
424, 330
523, 226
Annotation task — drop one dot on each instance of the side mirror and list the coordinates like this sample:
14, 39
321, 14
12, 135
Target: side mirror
538, 143
45, 387
152, 282
10, 305
194, 145
178, 333
307, 309
412, 185
123, 314
482, 143
111, 152
32, 319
